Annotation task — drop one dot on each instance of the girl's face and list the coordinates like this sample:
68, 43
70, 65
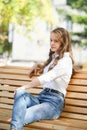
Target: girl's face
54, 42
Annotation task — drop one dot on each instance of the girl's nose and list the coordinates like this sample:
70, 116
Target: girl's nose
52, 42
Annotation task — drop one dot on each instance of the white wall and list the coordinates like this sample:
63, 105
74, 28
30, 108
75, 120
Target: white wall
32, 48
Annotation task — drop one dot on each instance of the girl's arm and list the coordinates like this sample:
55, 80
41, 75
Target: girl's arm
34, 83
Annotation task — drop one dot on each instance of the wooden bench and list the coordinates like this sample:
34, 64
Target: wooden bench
74, 116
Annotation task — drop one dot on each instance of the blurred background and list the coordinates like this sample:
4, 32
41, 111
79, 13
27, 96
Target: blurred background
25, 27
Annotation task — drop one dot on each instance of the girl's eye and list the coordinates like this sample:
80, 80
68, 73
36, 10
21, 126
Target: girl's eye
55, 41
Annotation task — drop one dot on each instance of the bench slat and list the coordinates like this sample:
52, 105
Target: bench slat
6, 106
6, 100
77, 88
15, 67
13, 71
13, 82
75, 116
74, 109
74, 102
73, 122
16, 77
78, 82
77, 95
80, 75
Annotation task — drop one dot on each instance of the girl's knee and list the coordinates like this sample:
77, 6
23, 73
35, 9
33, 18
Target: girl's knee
20, 92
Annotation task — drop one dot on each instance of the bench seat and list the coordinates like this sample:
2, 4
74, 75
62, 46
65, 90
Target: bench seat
74, 115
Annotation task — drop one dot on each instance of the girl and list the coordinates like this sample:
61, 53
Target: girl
57, 72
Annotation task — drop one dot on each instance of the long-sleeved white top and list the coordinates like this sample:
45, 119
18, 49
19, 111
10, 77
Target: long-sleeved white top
59, 76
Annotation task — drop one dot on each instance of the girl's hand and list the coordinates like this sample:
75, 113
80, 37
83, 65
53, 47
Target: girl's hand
33, 71
23, 87
36, 70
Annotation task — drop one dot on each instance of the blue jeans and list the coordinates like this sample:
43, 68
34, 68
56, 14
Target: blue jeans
28, 108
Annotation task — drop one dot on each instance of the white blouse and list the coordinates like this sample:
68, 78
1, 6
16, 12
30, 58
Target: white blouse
59, 76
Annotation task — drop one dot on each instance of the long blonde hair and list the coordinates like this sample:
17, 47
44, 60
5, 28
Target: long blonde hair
63, 37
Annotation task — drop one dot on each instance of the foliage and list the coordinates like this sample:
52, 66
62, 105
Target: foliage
23, 12
80, 18
7, 46
78, 4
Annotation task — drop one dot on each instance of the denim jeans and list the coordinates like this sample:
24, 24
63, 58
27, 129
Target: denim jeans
28, 108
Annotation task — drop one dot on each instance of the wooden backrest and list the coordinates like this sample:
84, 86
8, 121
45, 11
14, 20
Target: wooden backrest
76, 97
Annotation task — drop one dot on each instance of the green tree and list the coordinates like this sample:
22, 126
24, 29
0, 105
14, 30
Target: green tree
80, 18
21, 12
